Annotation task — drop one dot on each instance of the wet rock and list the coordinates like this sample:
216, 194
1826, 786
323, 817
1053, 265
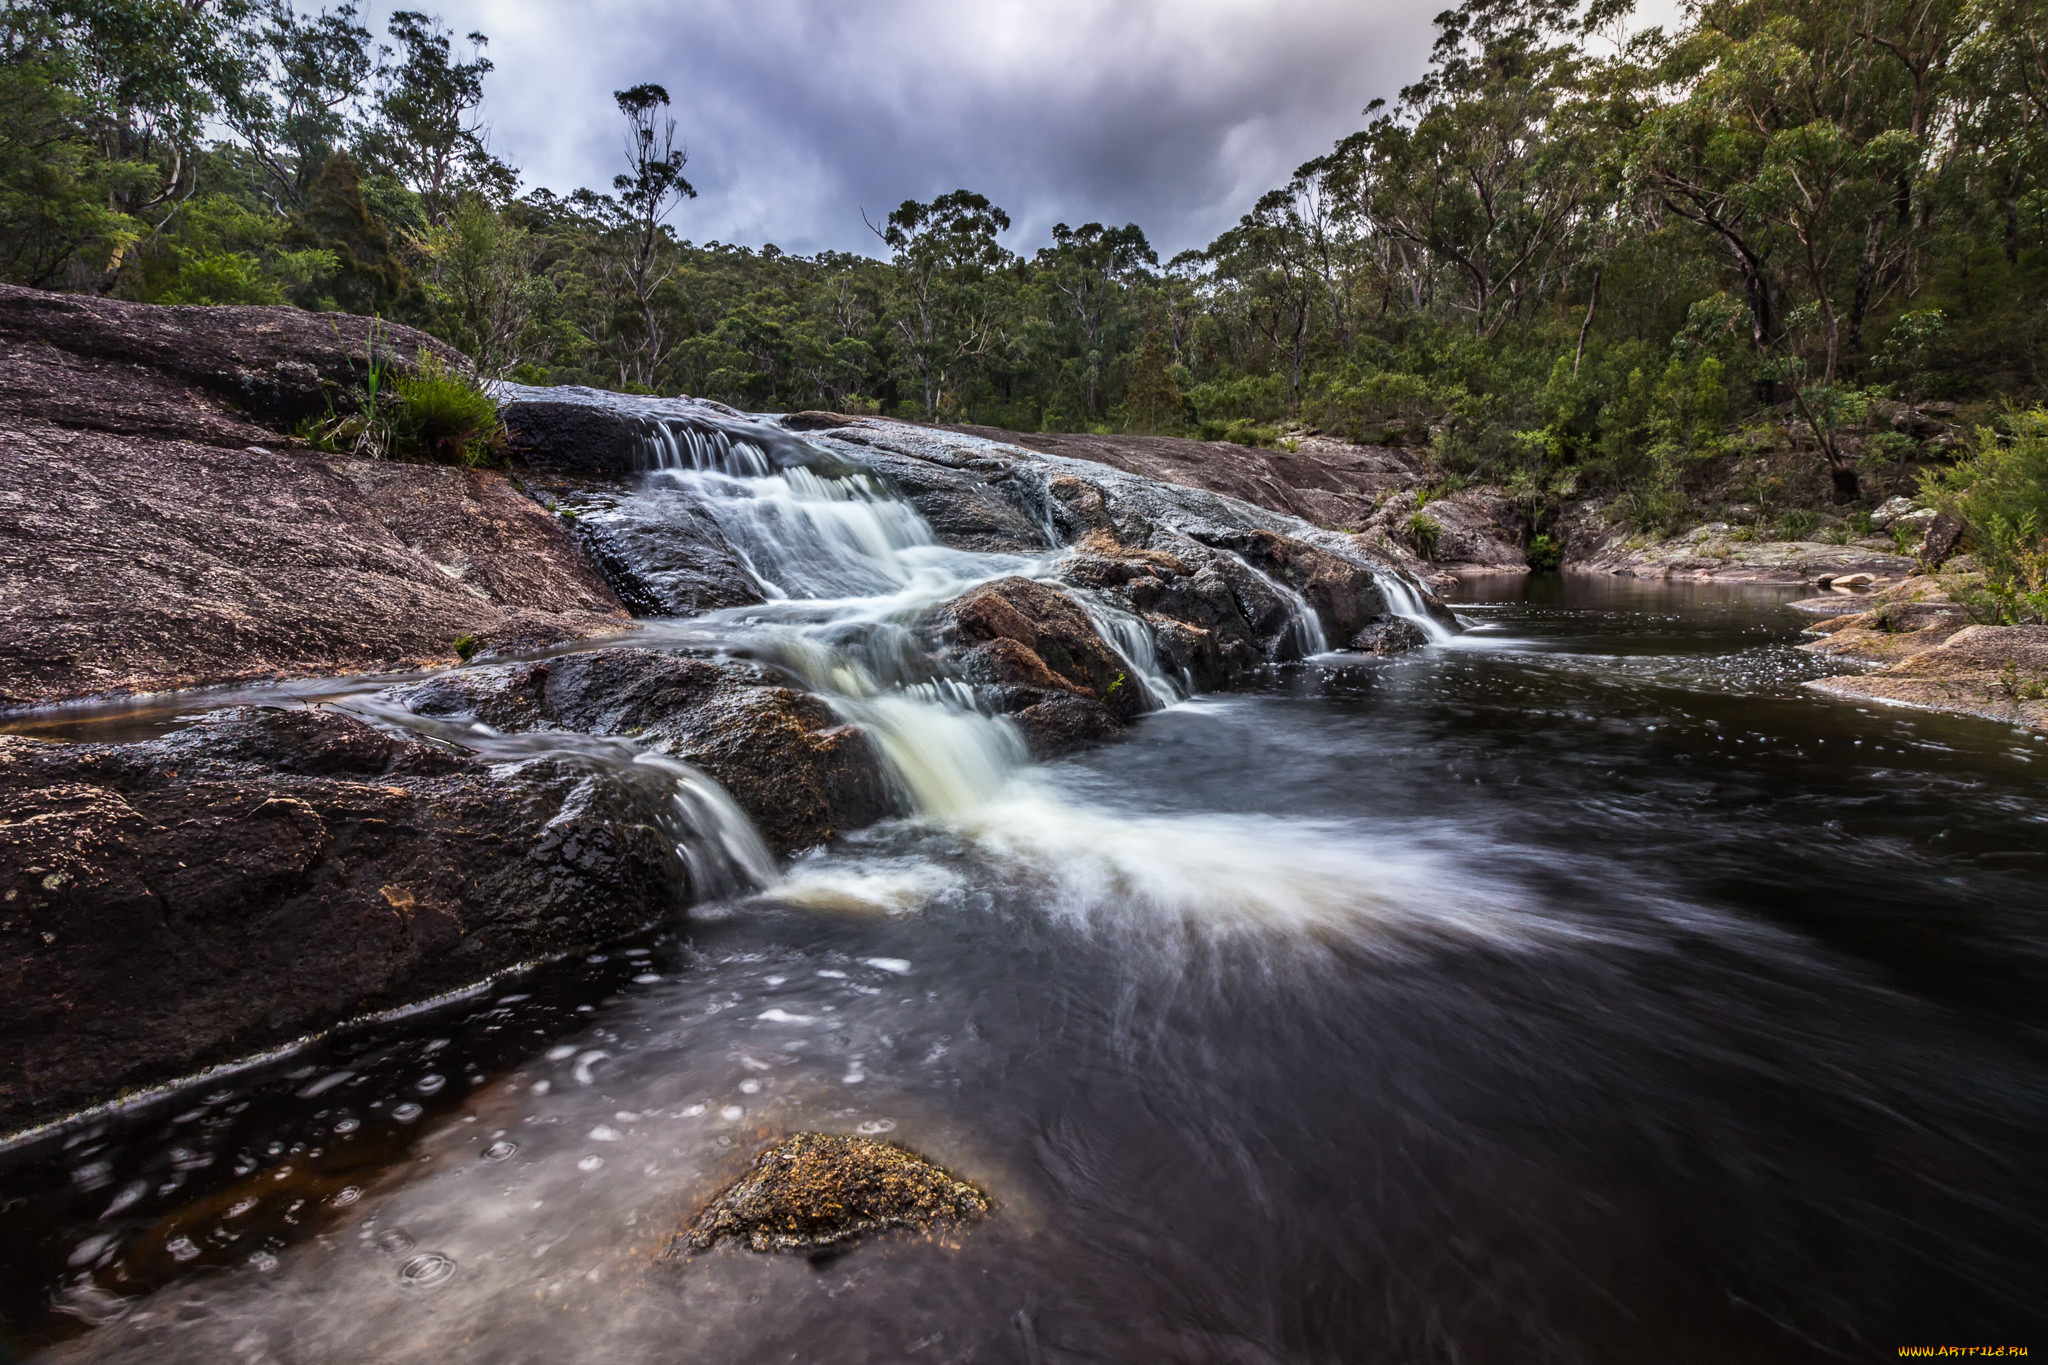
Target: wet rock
1478, 529
658, 549
1329, 483
812, 1191
1389, 635
1032, 637
570, 429
1890, 511
798, 771
184, 901
1342, 594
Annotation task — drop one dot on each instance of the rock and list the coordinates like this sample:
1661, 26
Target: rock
569, 429
1890, 511
799, 772
184, 901
1943, 534
154, 535
660, 552
1329, 483
1997, 672
1037, 654
1712, 552
277, 365
1848, 582
1389, 635
811, 1191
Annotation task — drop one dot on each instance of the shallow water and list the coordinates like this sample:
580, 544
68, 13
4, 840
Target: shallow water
1580, 990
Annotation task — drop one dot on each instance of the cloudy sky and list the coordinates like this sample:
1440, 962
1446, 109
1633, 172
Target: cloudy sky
799, 114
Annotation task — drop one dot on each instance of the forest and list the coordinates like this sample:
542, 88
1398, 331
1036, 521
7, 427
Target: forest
1790, 255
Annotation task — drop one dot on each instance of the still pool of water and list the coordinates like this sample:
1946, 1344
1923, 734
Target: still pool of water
1579, 991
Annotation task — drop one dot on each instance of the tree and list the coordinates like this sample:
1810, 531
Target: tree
1089, 268
651, 189
428, 133
943, 253
314, 69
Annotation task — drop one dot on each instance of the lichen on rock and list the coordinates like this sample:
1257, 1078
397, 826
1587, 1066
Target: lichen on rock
811, 1191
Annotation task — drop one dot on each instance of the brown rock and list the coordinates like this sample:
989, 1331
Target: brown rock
154, 534
185, 901
276, 364
1032, 636
816, 1190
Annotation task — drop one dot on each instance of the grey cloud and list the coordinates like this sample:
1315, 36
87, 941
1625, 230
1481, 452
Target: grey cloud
1174, 114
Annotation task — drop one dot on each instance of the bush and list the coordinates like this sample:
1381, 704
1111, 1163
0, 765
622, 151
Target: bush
444, 417
2000, 493
1545, 554
1424, 531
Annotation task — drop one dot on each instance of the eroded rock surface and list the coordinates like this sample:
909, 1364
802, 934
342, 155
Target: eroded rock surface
811, 1191
1715, 551
169, 904
1934, 657
798, 771
155, 534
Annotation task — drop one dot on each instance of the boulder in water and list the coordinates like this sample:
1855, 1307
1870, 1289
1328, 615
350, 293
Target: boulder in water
811, 1191
800, 773
1389, 635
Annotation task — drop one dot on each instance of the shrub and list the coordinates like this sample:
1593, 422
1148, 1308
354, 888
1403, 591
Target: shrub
1798, 524
2000, 493
445, 417
1424, 531
1544, 553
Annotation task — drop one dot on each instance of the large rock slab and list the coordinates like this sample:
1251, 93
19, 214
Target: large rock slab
1324, 482
184, 901
278, 365
1716, 552
798, 771
155, 532
130, 563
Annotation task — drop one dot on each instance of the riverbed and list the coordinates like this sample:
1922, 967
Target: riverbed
1577, 989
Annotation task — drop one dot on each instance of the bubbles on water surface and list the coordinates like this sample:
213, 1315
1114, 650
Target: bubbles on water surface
590, 1163
345, 1126
407, 1112
181, 1249
430, 1084
394, 1241
426, 1270
346, 1195
501, 1150
875, 1127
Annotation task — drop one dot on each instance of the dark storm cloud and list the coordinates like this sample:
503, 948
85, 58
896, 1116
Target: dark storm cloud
1175, 114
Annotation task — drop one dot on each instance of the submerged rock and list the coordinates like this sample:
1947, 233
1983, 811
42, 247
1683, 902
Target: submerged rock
184, 901
816, 1190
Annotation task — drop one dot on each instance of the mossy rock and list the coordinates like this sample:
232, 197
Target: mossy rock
815, 1190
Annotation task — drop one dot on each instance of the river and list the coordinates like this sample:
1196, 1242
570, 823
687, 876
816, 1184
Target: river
1575, 989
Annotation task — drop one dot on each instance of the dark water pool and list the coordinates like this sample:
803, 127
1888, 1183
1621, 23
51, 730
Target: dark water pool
1583, 992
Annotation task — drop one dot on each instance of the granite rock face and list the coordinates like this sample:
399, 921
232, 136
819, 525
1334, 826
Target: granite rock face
188, 900
155, 533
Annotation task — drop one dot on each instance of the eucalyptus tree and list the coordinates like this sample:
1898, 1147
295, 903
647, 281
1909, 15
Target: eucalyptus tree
641, 260
428, 131
1090, 269
310, 72
942, 308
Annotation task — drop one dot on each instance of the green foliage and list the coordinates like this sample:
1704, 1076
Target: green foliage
2000, 493
1545, 554
466, 647
1424, 531
443, 416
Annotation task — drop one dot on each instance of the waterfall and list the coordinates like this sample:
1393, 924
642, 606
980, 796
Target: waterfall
716, 841
1405, 601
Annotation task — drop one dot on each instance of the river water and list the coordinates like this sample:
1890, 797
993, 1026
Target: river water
1578, 989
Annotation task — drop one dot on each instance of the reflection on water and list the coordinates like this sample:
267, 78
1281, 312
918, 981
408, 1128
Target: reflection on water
1581, 992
